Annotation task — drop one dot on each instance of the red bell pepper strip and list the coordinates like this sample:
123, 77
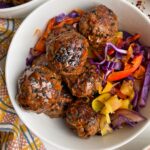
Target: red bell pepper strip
111, 51
114, 76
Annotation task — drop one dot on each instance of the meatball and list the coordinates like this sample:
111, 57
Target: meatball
82, 119
84, 85
19, 2
99, 25
38, 89
58, 109
41, 61
67, 53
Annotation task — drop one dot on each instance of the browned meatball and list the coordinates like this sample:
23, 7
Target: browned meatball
19, 2
68, 52
98, 25
82, 119
84, 85
41, 61
38, 89
58, 109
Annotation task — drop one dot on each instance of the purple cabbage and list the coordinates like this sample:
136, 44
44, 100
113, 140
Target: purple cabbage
135, 99
121, 51
110, 45
118, 55
60, 17
29, 60
125, 116
126, 35
137, 49
146, 86
5, 5
32, 55
73, 14
110, 65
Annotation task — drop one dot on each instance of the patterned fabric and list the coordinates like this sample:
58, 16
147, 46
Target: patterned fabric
14, 135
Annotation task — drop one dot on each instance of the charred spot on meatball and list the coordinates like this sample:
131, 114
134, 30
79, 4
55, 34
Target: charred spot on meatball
82, 119
99, 25
84, 85
38, 88
68, 52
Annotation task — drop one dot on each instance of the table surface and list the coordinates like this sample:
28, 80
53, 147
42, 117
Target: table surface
142, 140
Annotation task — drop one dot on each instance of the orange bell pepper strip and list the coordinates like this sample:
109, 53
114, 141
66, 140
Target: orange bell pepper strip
133, 38
79, 11
40, 45
139, 73
114, 76
119, 43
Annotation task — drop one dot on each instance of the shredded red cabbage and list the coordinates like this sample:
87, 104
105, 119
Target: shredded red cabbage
146, 86
126, 116
60, 17
5, 5
111, 65
126, 35
109, 45
73, 14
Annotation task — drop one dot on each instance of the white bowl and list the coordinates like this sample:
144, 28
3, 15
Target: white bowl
20, 10
54, 131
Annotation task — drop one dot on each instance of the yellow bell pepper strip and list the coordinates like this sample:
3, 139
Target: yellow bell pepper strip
114, 76
104, 126
129, 53
99, 87
128, 89
111, 105
125, 104
98, 103
117, 37
107, 88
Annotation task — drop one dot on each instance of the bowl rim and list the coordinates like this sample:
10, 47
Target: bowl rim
35, 132
17, 7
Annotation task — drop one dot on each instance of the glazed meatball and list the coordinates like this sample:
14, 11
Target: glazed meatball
41, 61
84, 85
19, 2
58, 109
82, 119
38, 89
99, 25
67, 53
